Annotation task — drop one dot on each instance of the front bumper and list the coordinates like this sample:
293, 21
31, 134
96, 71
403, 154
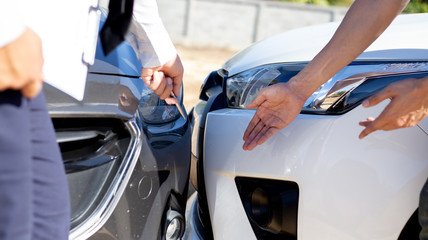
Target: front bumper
349, 188
193, 226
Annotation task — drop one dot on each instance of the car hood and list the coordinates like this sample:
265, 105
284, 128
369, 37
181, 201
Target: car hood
405, 36
113, 88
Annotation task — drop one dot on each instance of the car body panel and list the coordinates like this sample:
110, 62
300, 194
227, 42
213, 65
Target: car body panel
113, 87
122, 61
343, 193
301, 45
139, 212
105, 96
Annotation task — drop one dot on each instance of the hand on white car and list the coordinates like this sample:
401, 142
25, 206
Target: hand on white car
277, 106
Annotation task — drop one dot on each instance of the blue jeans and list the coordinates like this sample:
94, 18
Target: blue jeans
34, 198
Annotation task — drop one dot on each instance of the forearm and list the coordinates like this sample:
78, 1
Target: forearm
362, 25
149, 36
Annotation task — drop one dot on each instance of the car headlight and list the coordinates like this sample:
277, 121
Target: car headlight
341, 93
155, 110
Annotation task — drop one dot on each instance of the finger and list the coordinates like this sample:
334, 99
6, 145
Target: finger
171, 101
365, 132
250, 146
16, 82
254, 134
147, 75
32, 89
262, 137
251, 126
366, 122
375, 99
168, 88
178, 80
258, 100
250, 143
371, 127
265, 134
387, 120
148, 80
159, 83
147, 72
4, 83
261, 133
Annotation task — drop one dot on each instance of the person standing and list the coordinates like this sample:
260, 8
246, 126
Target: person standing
34, 196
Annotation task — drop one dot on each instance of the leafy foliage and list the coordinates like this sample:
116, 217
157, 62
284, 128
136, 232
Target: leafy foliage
417, 6
414, 6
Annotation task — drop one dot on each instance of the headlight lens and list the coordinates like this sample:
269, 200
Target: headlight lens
243, 87
333, 96
155, 110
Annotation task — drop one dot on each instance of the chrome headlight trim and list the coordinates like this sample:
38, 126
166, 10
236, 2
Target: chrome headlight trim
351, 77
243, 87
103, 212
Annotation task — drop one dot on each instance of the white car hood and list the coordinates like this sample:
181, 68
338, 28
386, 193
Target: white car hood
408, 35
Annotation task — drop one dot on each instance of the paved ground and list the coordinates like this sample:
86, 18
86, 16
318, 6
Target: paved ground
198, 63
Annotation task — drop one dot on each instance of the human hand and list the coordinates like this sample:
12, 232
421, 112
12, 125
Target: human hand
277, 106
408, 106
164, 79
21, 65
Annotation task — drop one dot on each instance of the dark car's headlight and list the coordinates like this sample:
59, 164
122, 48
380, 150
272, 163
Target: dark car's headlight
155, 110
336, 96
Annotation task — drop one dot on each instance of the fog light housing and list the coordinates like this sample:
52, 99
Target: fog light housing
260, 207
271, 206
175, 225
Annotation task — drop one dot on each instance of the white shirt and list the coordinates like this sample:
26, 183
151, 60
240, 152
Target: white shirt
11, 21
147, 35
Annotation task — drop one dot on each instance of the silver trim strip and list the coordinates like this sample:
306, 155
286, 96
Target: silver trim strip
103, 212
72, 136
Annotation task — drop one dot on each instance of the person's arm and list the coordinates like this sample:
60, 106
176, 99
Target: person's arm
365, 21
21, 57
279, 105
155, 50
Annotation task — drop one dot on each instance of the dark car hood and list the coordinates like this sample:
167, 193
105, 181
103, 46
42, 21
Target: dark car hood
113, 87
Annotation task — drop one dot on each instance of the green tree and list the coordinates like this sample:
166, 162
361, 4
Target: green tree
417, 6
414, 6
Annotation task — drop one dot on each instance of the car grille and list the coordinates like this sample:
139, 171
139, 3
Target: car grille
99, 155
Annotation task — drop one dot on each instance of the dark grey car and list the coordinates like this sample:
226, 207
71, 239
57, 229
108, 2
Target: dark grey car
126, 154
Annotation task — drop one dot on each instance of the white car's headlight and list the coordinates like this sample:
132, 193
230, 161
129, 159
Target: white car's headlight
341, 93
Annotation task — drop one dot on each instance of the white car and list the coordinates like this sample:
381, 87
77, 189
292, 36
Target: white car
314, 179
